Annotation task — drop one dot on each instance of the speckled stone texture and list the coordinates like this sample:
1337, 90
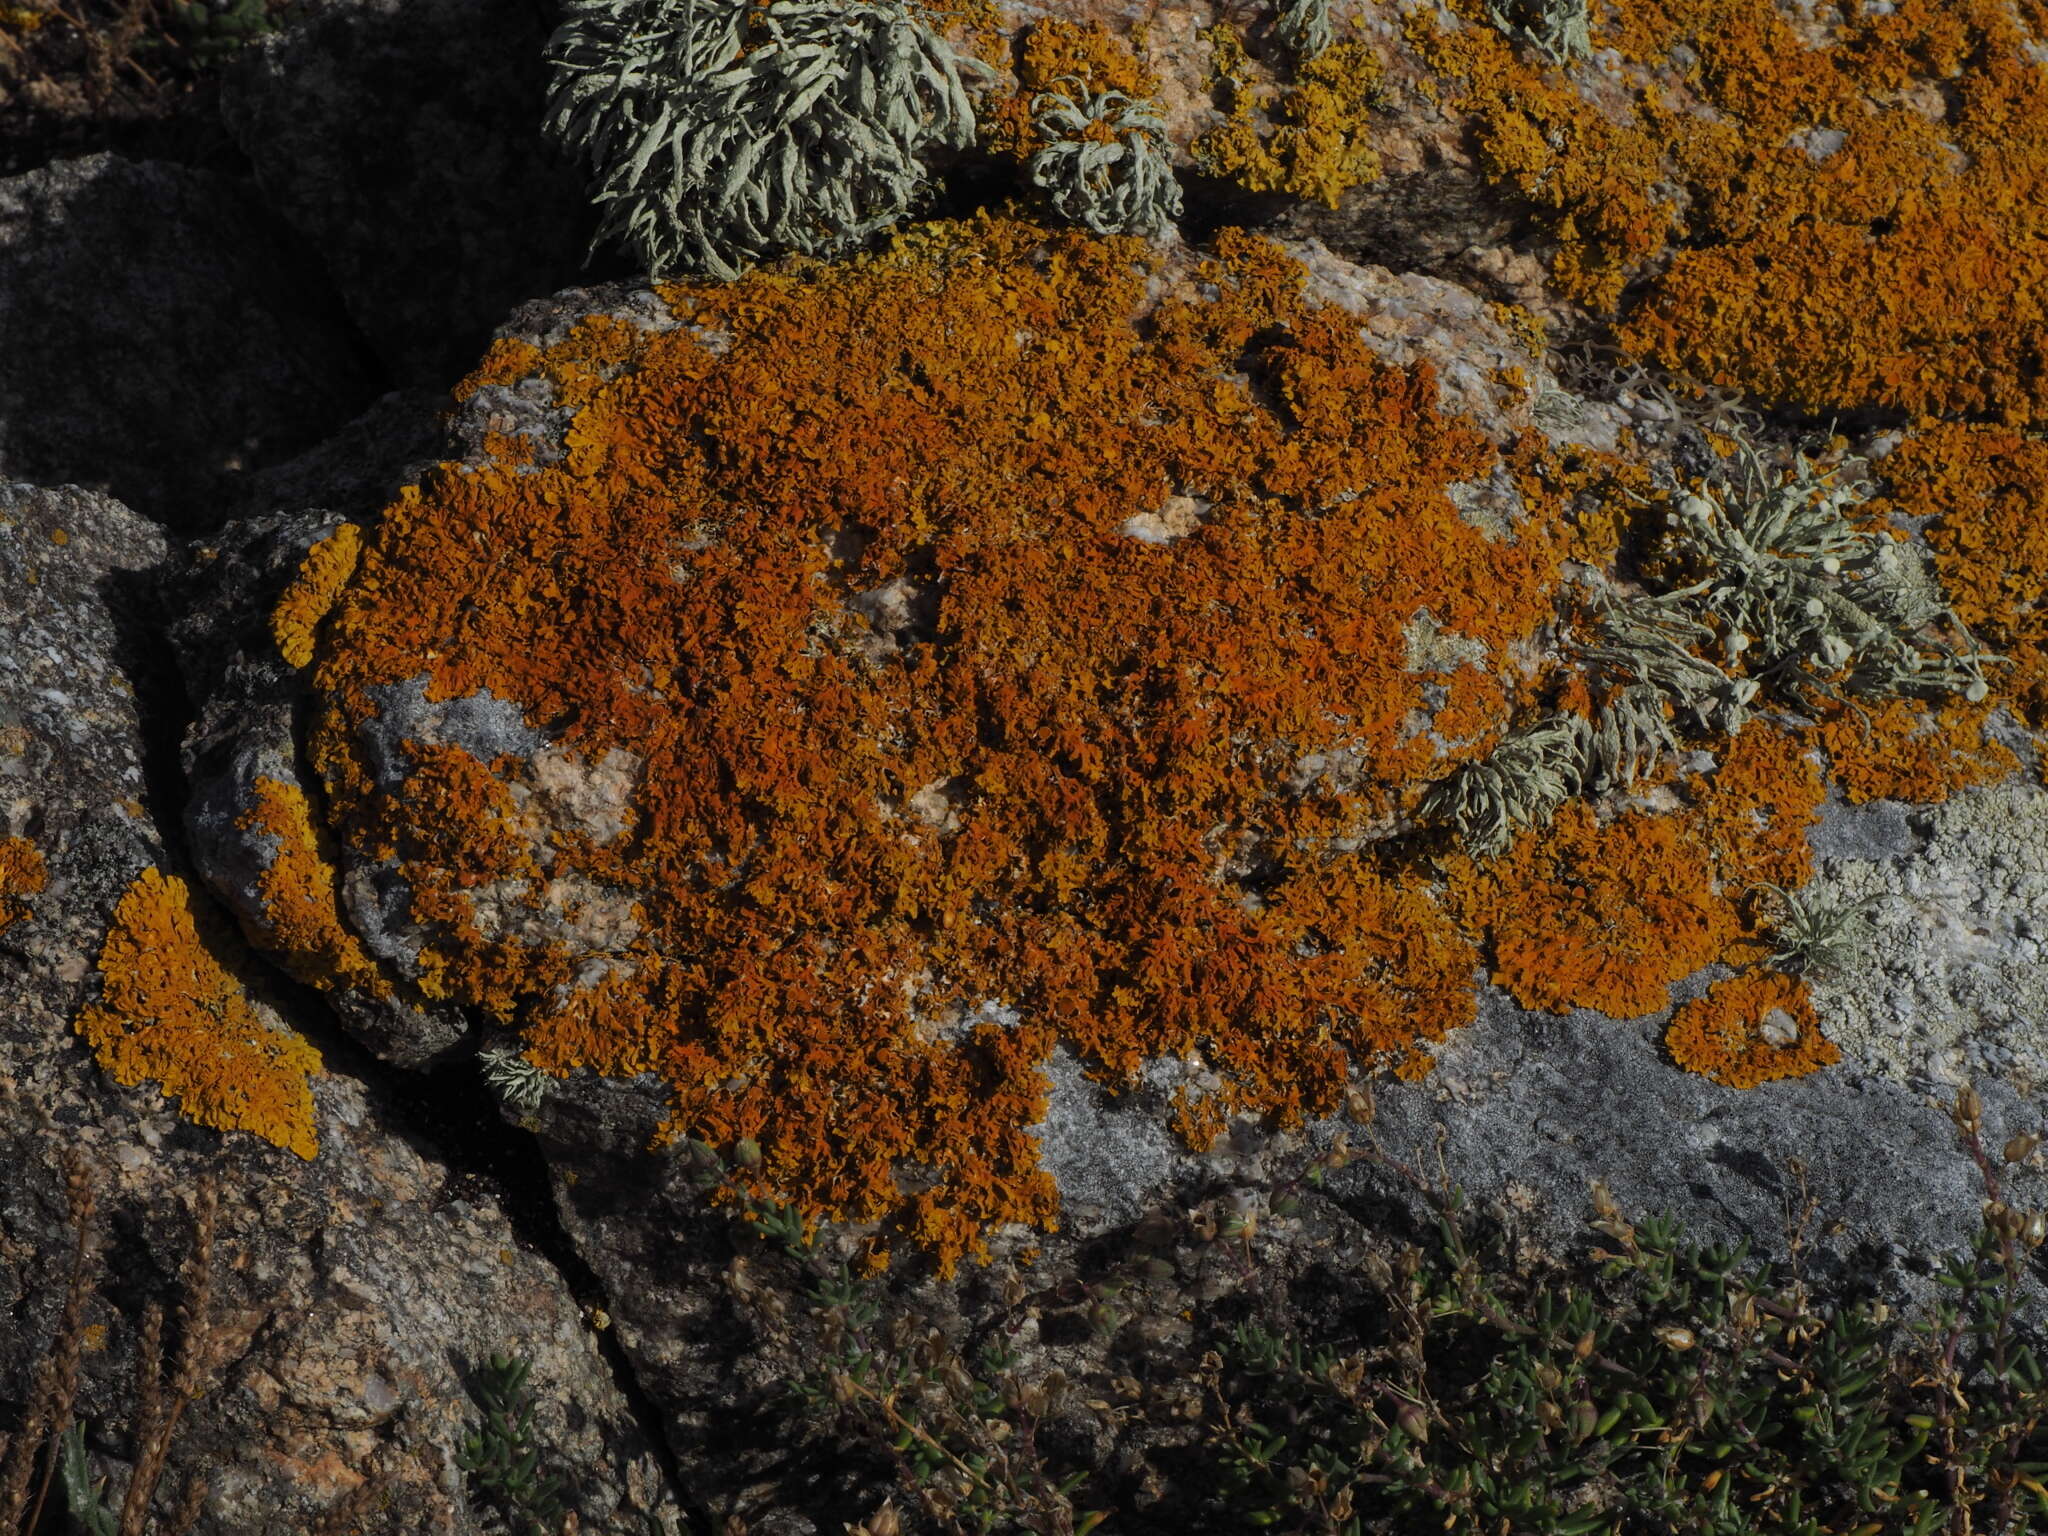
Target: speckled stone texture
357, 1294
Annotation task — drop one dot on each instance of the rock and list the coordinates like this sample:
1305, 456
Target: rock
159, 369
402, 140
356, 1291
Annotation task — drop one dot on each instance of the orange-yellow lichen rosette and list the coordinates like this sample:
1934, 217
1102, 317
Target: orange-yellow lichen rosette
913, 665
1750, 1029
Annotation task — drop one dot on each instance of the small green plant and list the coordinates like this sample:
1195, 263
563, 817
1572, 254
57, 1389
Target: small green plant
1104, 163
501, 1457
1560, 30
721, 133
1669, 1387
1814, 933
211, 32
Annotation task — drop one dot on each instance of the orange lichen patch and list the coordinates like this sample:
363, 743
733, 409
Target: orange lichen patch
1985, 487
322, 574
1583, 915
1906, 750
973, 617
301, 913
1311, 139
1756, 808
1853, 221
507, 361
1753, 1028
1057, 55
21, 874
171, 1011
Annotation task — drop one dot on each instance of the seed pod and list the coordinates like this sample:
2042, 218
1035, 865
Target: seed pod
1673, 1337
2020, 1147
1585, 1345
748, 1151
1413, 1423
1967, 1111
1549, 1377
1549, 1415
2036, 1229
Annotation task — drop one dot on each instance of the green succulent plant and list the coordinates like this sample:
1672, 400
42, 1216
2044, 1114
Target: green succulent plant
1104, 163
501, 1457
720, 134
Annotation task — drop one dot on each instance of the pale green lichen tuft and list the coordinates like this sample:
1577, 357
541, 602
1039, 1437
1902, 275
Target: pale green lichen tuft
1104, 163
722, 134
519, 1084
1306, 27
1559, 30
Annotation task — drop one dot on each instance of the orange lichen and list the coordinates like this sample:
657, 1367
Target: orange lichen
1753, 1028
1058, 55
1583, 915
1586, 914
301, 912
1850, 221
1056, 778
1756, 808
172, 1011
1310, 140
1905, 750
322, 574
21, 874
1985, 486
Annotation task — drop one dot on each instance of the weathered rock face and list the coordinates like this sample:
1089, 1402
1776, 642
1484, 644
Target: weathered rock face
159, 370
355, 1293
950, 730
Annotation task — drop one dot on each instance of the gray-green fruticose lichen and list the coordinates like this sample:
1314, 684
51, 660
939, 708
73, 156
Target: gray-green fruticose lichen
1950, 978
1104, 163
1802, 605
721, 133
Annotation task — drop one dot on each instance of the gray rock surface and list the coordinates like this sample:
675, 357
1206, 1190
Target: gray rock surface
160, 369
355, 1294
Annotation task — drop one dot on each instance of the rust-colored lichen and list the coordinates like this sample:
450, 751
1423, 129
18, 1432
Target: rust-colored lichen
1134, 592
1586, 914
1311, 139
1985, 487
170, 1010
1849, 221
322, 574
1753, 1028
301, 914
21, 874
1906, 750
1054, 54
1583, 915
